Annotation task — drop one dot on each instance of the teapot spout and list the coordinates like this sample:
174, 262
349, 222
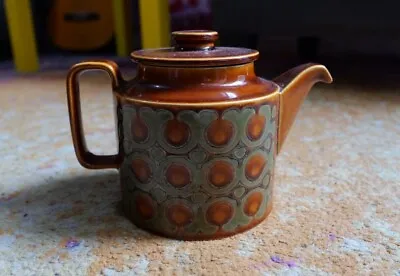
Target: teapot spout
294, 87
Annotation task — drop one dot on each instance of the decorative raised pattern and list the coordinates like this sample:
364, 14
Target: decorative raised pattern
198, 172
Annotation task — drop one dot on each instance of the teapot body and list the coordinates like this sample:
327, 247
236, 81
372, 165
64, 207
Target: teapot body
196, 167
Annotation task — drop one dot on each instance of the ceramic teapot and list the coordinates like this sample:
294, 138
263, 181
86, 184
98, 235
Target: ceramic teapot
198, 135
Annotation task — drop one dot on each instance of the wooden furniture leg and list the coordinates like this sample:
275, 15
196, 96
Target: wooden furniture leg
154, 23
22, 35
120, 27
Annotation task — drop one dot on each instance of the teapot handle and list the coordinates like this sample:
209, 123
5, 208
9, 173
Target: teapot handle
85, 157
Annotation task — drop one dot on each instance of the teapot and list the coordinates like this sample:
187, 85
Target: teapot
198, 134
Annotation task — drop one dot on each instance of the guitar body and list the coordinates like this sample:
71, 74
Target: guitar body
81, 24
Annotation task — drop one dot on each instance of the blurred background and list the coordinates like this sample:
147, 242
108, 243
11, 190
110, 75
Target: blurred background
337, 178
359, 41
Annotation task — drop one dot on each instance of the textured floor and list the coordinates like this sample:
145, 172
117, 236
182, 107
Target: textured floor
336, 208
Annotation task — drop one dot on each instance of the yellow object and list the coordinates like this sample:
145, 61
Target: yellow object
154, 23
120, 27
22, 35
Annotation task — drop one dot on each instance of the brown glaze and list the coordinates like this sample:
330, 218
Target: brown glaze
198, 133
194, 40
195, 49
295, 85
171, 85
85, 157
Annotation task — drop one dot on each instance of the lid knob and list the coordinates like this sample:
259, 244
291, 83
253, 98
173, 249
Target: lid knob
194, 40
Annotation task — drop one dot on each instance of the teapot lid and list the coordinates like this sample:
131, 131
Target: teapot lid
195, 48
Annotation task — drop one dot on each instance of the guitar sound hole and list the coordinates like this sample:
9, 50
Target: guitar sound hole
81, 16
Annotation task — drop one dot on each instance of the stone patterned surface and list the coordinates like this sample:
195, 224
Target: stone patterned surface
336, 191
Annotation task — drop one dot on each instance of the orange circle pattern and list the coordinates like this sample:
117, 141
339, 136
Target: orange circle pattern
141, 170
255, 127
176, 132
144, 206
220, 132
219, 213
255, 167
253, 203
218, 172
178, 175
140, 132
221, 174
179, 215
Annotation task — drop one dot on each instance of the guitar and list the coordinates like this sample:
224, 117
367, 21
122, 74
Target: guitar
81, 24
